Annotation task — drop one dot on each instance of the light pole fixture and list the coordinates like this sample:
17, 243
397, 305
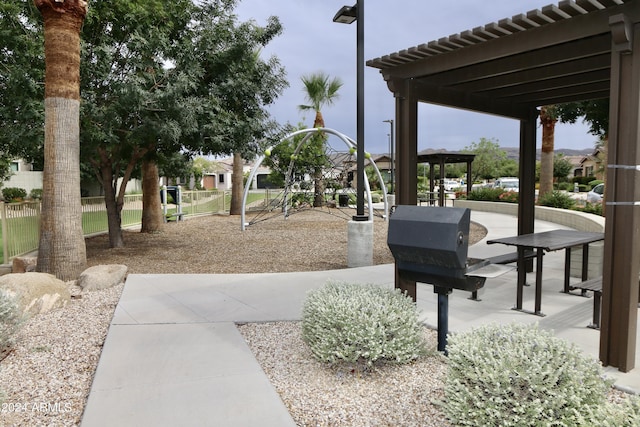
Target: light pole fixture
391, 146
347, 15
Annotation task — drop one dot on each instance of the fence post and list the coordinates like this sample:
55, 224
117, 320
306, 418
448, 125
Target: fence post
5, 240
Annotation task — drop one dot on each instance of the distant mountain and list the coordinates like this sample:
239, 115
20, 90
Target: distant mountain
514, 152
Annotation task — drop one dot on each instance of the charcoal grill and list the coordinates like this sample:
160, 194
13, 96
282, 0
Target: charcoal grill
430, 245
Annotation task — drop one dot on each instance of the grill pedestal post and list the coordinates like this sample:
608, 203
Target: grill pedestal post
443, 316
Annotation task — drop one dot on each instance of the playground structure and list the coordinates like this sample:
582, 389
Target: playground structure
284, 202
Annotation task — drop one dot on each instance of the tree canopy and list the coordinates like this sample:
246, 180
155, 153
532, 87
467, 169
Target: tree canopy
490, 161
21, 81
157, 78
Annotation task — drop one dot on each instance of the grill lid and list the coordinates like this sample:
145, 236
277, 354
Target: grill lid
428, 235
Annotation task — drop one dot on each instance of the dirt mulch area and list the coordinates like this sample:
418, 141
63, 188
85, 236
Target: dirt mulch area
309, 240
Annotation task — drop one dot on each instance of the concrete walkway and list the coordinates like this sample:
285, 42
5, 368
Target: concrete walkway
174, 357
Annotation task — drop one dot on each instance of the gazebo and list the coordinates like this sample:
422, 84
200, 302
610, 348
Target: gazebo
441, 159
572, 51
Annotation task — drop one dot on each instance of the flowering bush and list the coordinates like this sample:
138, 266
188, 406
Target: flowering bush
361, 324
518, 375
509, 196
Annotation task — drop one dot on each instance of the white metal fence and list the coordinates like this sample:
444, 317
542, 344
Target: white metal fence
21, 221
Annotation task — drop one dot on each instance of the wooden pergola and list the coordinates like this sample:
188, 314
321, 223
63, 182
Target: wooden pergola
441, 159
572, 51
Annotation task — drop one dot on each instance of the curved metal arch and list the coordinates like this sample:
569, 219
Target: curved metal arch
350, 143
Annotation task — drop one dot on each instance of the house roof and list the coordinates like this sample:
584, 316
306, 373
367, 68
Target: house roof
556, 54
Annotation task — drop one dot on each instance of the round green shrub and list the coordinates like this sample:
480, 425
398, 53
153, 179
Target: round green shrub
36, 194
13, 194
518, 375
557, 199
486, 194
10, 322
344, 322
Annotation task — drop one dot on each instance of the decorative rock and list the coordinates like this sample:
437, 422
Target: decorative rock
102, 277
23, 264
36, 292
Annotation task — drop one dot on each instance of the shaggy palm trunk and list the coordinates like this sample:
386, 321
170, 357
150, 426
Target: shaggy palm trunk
62, 250
237, 178
548, 123
318, 183
152, 216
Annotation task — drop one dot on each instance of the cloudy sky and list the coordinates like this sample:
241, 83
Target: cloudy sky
312, 42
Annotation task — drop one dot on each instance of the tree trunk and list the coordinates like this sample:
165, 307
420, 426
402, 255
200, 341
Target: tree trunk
237, 187
152, 216
318, 182
114, 218
548, 122
62, 250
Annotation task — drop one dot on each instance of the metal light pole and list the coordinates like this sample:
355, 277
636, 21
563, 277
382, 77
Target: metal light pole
391, 146
347, 15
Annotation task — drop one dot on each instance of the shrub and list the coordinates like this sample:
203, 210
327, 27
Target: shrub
10, 322
565, 186
518, 375
592, 208
486, 194
557, 199
36, 194
509, 197
13, 194
343, 322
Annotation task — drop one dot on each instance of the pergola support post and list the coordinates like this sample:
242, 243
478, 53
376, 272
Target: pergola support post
406, 161
622, 229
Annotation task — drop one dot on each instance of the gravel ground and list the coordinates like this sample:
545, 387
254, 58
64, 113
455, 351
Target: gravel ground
47, 377
317, 394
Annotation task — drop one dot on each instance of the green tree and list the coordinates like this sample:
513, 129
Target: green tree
489, 161
320, 90
21, 88
177, 79
283, 158
62, 251
594, 112
562, 167
157, 78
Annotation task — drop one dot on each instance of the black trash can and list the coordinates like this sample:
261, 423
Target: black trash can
343, 200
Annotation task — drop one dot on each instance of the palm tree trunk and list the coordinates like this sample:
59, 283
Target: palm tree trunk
62, 250
546, 158
152, 217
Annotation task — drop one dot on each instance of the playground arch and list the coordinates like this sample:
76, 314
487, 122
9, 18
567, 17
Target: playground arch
350, 144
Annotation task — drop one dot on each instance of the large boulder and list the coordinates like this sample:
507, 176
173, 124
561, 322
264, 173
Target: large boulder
102, 277
35, 292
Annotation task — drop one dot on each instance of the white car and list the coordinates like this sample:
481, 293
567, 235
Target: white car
595, 195
508, 184
450, 185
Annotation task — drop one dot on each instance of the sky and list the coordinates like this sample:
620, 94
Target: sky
312, 42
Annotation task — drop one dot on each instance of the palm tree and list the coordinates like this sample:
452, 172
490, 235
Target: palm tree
62, 251
548, 119
320, 90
